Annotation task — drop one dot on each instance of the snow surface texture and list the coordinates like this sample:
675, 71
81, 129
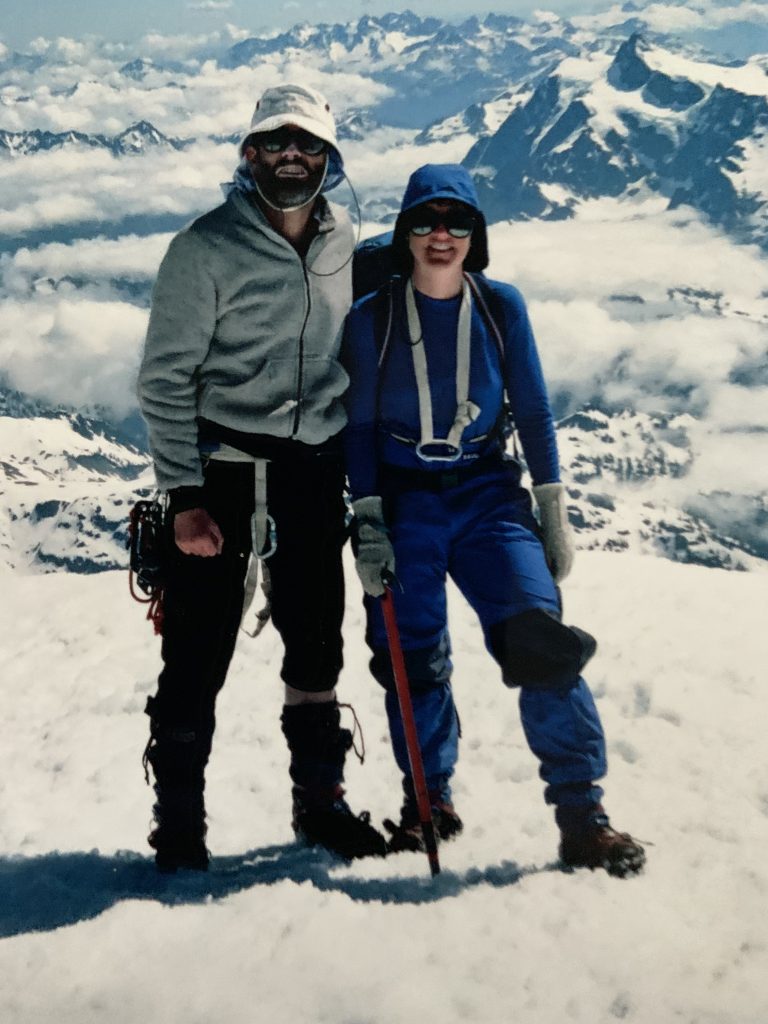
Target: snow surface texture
282, 934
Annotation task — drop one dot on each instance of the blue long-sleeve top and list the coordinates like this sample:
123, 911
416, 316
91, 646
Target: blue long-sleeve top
382, 402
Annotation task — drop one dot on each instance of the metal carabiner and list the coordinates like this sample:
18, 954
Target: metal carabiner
456, 451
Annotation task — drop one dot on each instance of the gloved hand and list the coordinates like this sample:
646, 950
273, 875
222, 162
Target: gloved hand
553, 517
373, 551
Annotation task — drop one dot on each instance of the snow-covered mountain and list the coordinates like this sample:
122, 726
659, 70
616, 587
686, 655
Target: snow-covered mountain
433, 68
136, 138
67, 483
618, 469
641, 118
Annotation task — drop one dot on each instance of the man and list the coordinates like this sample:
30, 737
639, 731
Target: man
241, 388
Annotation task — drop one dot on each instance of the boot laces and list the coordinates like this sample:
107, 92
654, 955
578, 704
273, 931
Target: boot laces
356, 729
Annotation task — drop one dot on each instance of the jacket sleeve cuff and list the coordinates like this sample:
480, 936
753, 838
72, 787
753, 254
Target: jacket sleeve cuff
181, 499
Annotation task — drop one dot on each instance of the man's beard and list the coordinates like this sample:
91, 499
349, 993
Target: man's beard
286, 193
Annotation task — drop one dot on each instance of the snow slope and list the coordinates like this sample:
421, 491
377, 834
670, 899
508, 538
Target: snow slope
286, 935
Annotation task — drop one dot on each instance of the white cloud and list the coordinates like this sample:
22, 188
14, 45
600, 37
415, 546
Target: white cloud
638, 306
614, 247
727, 462
738, 408
213, 100
673, 19
74, 186
77, 352
381, 163
210, 5
654, 312
130, 259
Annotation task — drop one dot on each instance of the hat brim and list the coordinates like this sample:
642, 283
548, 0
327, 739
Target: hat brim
308, 124
440, 194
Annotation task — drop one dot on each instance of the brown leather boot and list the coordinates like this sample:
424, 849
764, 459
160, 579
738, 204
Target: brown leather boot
407, 835
587, 840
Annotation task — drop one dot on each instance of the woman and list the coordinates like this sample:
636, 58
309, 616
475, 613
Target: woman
435, 357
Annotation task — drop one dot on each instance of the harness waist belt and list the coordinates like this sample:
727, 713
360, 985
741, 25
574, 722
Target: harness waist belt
440, 479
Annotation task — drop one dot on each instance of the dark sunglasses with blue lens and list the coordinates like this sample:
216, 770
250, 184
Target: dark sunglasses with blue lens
281, 138
458, 223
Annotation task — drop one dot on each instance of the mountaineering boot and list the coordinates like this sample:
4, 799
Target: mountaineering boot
178, 766
321, 815
324, 818
407, 834
587, 840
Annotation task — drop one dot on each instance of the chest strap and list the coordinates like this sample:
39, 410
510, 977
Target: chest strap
429, 447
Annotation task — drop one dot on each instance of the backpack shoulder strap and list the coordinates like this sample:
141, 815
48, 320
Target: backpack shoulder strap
382, 319
490, 309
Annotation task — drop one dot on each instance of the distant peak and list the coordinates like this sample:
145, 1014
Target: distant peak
628, 70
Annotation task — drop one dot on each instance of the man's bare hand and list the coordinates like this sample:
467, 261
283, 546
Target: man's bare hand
196, 533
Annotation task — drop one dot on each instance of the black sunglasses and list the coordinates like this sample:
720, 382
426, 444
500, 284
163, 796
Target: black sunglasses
458, 223
281, 138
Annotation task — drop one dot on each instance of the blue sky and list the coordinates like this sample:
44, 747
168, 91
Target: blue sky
23, 20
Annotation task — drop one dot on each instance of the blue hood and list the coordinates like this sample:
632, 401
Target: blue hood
427, 184
440, 181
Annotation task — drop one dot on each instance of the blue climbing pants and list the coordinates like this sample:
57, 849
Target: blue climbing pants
482, 533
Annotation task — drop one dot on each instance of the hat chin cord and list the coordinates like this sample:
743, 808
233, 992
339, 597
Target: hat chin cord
299, 206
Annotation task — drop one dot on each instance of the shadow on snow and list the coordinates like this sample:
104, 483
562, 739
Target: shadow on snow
56, 889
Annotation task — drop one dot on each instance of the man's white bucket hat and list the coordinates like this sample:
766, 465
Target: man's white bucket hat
306, 108
294, 104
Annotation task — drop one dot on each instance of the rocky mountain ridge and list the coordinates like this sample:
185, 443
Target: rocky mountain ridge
135, 139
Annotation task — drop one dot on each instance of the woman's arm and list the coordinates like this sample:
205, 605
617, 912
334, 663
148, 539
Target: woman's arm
527, 390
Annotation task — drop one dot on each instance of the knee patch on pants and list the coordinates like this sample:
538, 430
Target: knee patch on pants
426, 667
535, 650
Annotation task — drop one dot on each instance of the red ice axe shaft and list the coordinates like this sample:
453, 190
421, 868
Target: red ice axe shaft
409, 727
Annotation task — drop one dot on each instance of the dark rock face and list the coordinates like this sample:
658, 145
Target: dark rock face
673, 93
628, 71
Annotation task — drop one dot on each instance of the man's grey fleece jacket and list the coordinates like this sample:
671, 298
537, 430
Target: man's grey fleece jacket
245, 333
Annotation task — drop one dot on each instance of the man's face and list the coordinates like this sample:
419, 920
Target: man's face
289, 176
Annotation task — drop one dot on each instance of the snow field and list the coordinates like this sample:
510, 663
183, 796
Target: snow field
275, 932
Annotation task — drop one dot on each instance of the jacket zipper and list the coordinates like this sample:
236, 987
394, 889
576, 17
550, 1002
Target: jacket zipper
300, 382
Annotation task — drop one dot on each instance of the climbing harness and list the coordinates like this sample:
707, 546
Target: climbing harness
263, 537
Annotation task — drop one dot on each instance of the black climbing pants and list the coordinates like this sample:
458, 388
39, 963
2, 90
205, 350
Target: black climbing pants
204, 596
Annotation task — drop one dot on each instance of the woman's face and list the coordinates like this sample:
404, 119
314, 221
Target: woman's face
439, 249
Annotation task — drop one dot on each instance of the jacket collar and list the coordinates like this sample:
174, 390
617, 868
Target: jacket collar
252, 212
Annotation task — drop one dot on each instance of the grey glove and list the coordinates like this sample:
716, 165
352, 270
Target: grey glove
374, 556
553, 518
